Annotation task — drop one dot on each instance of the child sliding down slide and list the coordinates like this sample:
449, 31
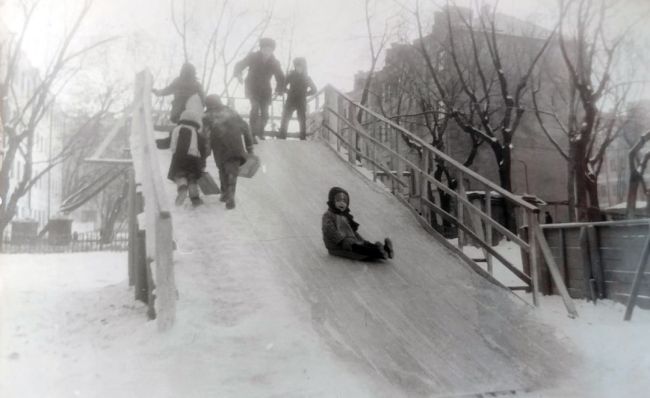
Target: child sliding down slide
340, 232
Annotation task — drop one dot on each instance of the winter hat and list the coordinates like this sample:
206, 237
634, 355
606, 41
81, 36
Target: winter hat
300, 61
188, 71
191, 118
346, 213
267, 42
213, 101
332, 194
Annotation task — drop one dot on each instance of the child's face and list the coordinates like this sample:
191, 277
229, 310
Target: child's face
341, 201
300, 68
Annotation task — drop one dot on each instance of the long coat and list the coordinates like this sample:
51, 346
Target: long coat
189, 151
337, 232
258, 78
226, 129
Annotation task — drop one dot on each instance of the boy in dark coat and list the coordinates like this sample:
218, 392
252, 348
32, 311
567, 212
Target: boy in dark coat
300, 86
183, 87
189, 150
261, 66
226, 129
340, 231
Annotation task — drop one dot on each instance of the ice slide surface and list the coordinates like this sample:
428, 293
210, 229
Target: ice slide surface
300, 322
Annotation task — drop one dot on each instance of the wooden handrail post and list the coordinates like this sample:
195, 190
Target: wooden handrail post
461, 212
488, 227
533, 256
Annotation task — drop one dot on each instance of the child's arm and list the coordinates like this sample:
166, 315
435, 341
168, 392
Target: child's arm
240, 66
167, 90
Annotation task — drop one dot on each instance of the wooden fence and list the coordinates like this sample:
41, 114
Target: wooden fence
600, 260
412, 180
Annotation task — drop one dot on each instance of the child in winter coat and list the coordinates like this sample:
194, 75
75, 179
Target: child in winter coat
183, 88
226, 128
340, 231
300, 85
262, 65
189, 151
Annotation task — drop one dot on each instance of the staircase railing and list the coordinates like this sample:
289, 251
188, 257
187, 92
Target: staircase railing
157, 222
388, 149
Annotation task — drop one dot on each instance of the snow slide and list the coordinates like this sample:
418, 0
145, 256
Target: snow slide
295, 321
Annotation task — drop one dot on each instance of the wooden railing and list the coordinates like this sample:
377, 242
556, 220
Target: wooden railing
413, 182
157, 223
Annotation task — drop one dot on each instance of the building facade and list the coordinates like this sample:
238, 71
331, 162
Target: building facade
537, 166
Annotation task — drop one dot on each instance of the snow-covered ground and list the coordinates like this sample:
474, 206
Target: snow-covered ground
69, 327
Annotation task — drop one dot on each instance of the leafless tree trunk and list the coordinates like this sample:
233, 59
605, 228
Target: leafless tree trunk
19, 129
588, 55
492, 106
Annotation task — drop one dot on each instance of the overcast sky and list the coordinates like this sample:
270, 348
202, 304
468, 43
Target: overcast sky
331, 34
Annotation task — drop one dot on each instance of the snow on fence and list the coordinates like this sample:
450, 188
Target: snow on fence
364, 138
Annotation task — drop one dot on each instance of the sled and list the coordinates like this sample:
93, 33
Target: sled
208, 185
248, 169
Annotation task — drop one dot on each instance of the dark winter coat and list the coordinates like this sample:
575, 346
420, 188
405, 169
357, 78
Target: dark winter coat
182, 88
299, 87
226, 129
189, 152
258, 78
338, 227
337, 232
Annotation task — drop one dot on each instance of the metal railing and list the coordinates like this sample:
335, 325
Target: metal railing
412, 181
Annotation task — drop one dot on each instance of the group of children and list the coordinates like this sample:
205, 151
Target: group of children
219, 129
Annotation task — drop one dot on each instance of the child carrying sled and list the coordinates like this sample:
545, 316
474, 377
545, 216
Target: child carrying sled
189, 151
340, 231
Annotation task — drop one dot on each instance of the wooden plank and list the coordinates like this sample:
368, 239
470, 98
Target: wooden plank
555, 273
634, 291
533, 260
596, 265
488, 227
460, 211
586, 262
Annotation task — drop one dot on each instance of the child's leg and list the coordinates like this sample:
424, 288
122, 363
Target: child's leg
193, 188
230, 171
254, 118
301, 110
181, 184
372, 251
286, 115
264, 116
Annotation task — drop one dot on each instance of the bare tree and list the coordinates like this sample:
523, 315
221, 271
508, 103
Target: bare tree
29, 109
492, 76
589, 56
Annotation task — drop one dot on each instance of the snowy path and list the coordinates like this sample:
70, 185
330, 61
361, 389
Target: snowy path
419, 325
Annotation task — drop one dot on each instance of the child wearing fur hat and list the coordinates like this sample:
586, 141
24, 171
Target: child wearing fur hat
189, 151
340, 231
300, 86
